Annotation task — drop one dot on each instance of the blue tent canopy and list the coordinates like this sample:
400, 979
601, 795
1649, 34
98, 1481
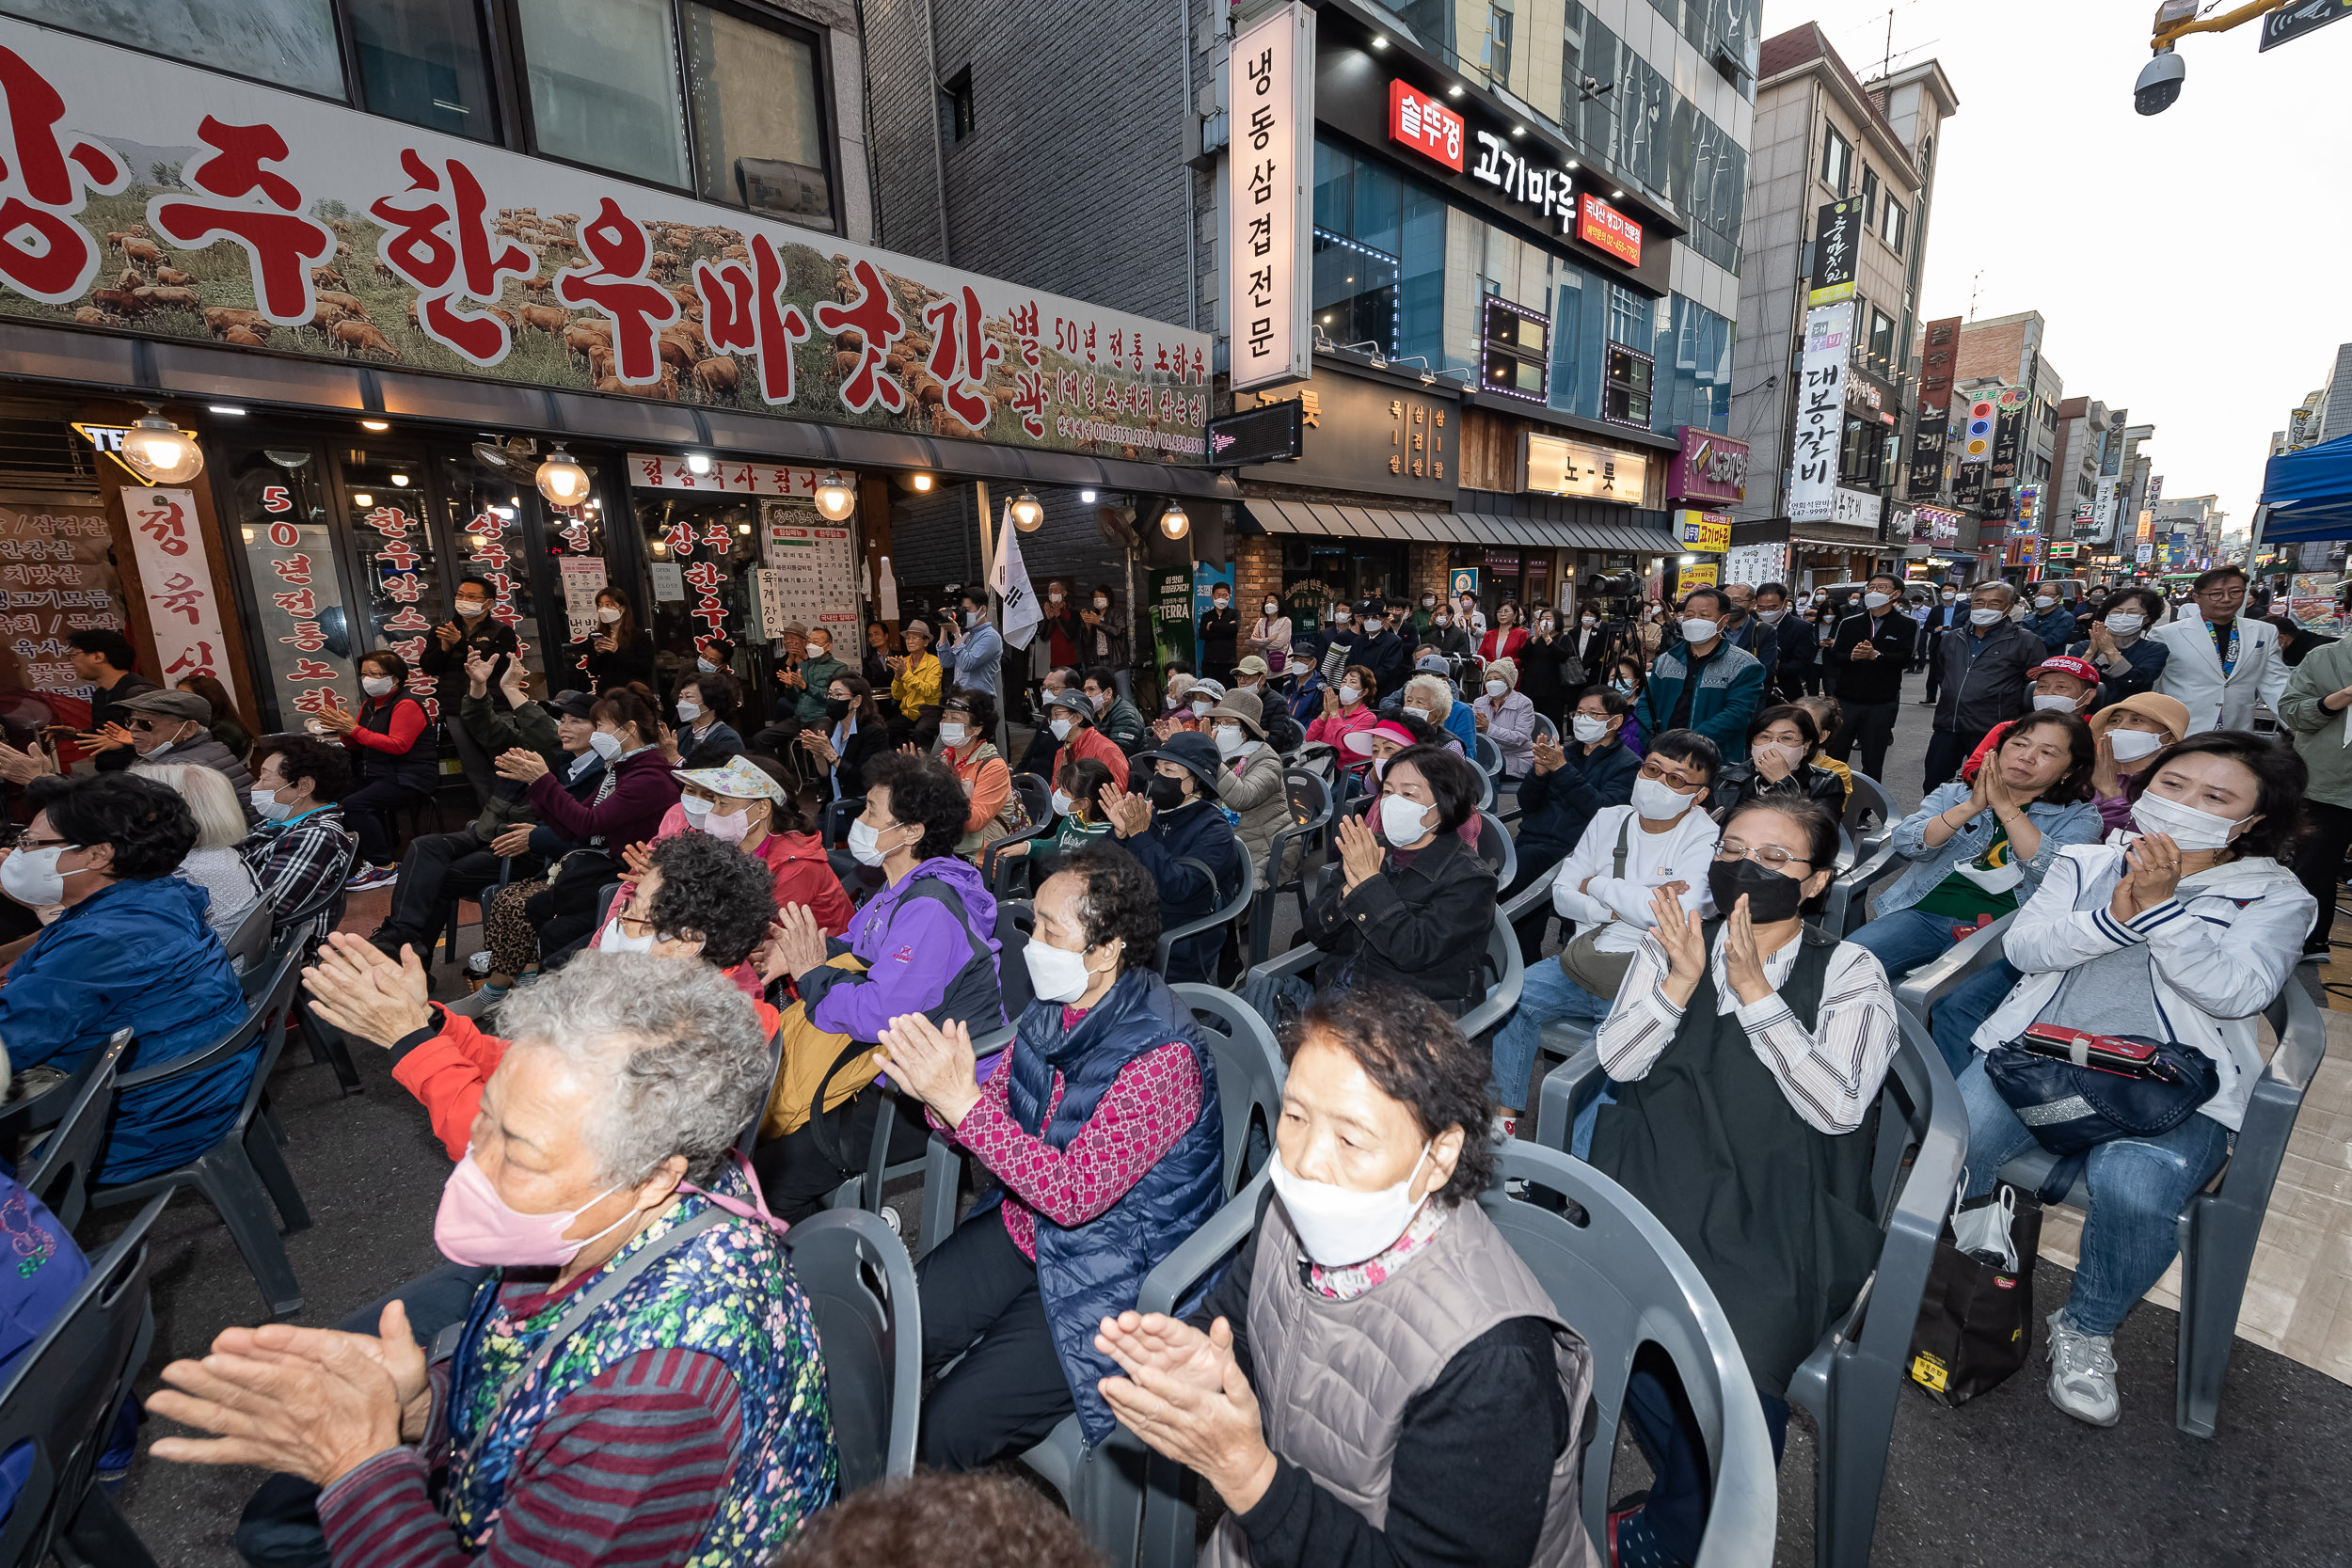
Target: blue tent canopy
2310, 493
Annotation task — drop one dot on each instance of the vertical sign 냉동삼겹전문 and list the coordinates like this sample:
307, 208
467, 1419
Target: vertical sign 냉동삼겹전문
1269, 222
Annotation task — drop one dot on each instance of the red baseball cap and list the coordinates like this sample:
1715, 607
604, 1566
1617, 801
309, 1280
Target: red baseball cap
2066, 664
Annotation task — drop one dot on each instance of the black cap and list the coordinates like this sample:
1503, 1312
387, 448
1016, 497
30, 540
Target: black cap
1191, 750
574, 704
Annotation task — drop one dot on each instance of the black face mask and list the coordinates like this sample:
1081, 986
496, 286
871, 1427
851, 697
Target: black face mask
836, 708
1166, 793
1772, 896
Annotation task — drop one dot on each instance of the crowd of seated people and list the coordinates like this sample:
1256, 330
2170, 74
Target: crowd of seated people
660, 915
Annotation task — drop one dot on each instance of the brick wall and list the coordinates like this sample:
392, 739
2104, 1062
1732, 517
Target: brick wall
1257, 572
1425, 571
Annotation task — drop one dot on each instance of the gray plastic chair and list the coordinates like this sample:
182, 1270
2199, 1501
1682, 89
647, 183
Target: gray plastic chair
1501, 960
59, 1174
872, 1338
1547, 729
1497, 848
1870, 814
248, 944
244, 1172
2219, 1225
1105, 1487
1852, 1381
1036, 799
1306, 833
61, 1401
1487, 757
1226, 913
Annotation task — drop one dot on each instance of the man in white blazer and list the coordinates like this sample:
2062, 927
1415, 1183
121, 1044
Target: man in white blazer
2220, 661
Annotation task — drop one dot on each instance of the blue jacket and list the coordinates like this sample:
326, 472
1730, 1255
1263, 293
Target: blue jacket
1462, 725
1200, 831
2060, 825
2144, 660
1731, 688
1092, 1271
1558, 805
2055, 628
135, 955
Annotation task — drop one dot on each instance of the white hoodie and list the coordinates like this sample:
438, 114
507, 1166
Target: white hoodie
2219, 949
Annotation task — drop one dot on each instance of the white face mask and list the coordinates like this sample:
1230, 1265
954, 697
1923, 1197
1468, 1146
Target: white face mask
377, 685
1056, 973
473, 609
866, 842
608, 613
2048, 703
688, 712
1228, 739
1063, 804
695, 808
1102, 604
1337, 1225
1771, 617
1497, 689
605, 744
1351, 695
821, 650
2127, 626
270, 806
1656, 801
1055, 595
1201, 707
1986, 617
1274, 612
31, 876
1793, 755
2131, 745
2189, 827
1402, 822
1588, 730
2042, 601
1420, 713
1699, 629
1875, 601
1949, 597
1062, 729
952, 734
614, 940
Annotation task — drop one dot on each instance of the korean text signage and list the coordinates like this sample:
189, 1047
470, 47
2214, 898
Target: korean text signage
1563, 467
1708, 532
1261, 434
1600, 224
297, 226
1821, 413
1935, 526
1376, 437
58, 578
1269, 216
178, 582
1931, 437
1425, 125
1856, 508
1707, 466
1836, 252
2009, 434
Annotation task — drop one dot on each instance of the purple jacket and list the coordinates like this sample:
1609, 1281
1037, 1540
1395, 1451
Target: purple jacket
918, 955
644, 790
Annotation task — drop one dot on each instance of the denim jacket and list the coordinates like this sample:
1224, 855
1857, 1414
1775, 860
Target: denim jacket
2074, 823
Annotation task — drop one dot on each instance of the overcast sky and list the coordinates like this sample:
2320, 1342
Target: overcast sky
2188, 264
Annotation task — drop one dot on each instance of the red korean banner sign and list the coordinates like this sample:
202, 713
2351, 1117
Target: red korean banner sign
182, 609
147, 197
56, 577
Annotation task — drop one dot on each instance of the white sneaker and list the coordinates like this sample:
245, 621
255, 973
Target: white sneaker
2082, 1373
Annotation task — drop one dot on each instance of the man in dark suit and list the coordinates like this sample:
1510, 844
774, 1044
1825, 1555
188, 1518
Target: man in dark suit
1871, 650
1949, 612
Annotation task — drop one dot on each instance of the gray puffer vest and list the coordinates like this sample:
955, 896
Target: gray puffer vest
1333, 1377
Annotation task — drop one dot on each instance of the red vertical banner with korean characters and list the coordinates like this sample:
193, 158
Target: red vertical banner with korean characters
300, 624
56, 577
141, 197
182, 610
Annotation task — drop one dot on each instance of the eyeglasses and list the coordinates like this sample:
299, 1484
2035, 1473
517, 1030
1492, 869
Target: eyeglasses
1763, 854
634, 925
1659, 775
149, 726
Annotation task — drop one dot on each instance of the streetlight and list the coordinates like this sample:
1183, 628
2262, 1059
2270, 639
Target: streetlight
1026, 512
834, 498
561, 478
159, 452
1173, 522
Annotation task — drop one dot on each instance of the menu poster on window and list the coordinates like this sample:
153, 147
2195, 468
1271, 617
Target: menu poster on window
583, 577
55, 579
811, 578
177, 582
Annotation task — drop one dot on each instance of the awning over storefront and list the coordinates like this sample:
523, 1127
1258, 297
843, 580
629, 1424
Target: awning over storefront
1458, 527
148, 368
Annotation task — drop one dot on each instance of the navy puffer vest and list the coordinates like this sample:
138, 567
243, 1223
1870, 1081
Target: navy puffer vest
1092, 1271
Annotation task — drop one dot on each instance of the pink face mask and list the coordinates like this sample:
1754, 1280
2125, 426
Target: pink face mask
475, 1227
730, 828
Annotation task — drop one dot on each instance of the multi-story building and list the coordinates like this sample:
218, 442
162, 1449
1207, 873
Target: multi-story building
2325, 416
2190, 529
1527, 230
379, 268
1841, 180
2004, 352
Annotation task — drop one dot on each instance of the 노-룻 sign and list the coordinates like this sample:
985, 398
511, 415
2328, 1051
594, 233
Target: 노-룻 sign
1821, 413
1563, 467
303, 227
1269, 199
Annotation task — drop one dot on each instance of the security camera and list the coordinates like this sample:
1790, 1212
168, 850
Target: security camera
2159, 84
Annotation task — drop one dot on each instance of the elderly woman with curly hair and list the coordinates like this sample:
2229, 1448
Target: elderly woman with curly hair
637, 1378
1378, 1377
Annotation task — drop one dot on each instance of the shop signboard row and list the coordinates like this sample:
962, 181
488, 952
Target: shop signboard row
58, 578
150, 197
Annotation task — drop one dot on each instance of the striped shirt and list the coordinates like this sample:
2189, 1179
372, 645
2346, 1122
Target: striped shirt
1830, 1075
629, 1469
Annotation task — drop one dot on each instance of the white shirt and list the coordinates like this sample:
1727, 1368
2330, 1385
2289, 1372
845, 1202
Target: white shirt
1831, 1076
1680, 854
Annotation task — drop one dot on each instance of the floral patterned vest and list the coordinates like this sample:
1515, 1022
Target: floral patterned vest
727, 1293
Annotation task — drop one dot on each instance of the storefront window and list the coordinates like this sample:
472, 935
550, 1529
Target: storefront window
753, 94
604, 85
702, 550
299, 625
482, 512
423, 61
1351, 569
399, 569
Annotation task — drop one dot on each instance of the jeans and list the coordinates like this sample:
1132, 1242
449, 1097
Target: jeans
1955, 1020
1903, 940
2137, 1186
1873, 725
1548, 997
